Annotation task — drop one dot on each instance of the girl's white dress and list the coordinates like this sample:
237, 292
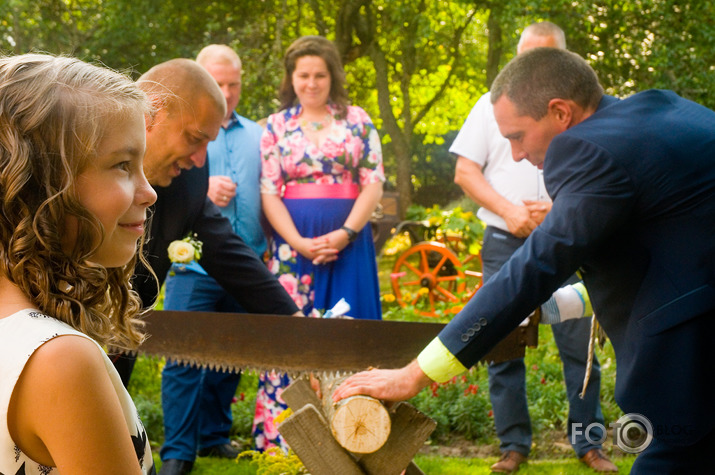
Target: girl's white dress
20, 335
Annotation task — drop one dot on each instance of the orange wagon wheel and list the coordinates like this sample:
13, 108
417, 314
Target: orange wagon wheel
425, 274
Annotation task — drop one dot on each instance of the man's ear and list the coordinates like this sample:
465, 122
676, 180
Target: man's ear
562, 111
158, 109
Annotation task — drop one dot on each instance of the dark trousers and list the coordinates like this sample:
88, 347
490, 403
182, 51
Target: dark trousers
507, 380
666, 459
196, 401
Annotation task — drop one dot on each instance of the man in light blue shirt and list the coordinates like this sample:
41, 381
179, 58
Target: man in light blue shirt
235, 169
196, 402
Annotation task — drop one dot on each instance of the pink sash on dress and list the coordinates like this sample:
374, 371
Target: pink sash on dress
317, 190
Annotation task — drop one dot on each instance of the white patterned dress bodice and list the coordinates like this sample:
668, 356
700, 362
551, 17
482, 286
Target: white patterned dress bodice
20, 335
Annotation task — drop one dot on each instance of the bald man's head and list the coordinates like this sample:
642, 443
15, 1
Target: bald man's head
543, 34
189, 109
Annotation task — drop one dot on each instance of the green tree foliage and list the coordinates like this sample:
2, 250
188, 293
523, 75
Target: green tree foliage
639, 44
416, 66
420, 54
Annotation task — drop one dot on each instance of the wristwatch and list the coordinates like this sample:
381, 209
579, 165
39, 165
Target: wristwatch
352, 235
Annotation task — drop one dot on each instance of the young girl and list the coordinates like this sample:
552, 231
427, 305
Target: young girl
73, 206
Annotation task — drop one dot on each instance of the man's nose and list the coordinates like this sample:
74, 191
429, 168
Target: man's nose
198, 158
226, 92
517, 154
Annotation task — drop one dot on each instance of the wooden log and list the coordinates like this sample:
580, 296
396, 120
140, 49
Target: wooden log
410, 430
307, 433
361, 424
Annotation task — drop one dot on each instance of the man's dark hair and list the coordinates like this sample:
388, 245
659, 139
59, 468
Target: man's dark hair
534, 77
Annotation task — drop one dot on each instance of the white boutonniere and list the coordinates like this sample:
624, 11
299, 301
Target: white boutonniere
186, 250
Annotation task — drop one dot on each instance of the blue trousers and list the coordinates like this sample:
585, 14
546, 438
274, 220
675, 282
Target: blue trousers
507, 380
196, 401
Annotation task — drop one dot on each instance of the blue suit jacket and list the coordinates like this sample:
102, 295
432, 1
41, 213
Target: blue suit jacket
634, 209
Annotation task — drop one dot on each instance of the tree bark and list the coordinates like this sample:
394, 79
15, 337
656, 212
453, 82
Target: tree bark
496, 47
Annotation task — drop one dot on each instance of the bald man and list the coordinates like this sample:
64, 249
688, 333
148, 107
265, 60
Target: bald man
200, 424
189, 111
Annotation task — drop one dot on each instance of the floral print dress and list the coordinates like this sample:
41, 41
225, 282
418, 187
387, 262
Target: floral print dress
349, 153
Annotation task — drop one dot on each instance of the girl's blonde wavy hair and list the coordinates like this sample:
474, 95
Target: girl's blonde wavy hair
54, 111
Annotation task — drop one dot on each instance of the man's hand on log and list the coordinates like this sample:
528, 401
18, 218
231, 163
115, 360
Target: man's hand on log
386, 384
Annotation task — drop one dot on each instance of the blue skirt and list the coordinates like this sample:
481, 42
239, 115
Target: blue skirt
315, 289
353, 276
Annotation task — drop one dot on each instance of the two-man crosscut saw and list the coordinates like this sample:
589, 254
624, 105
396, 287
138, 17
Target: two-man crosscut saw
297, 345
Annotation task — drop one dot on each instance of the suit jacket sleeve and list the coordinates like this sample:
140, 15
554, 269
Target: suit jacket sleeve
592, 198
234, 265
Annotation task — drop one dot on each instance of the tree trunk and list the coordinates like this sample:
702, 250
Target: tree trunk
496, 46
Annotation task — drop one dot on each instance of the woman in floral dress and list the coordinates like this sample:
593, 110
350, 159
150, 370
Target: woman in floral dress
321, 180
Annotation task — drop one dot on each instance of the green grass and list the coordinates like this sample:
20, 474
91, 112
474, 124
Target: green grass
473, 466
430, 465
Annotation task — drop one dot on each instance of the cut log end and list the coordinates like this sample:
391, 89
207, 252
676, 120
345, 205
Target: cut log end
361, 424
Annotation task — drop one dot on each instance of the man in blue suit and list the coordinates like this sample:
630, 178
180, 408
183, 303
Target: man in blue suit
633, 188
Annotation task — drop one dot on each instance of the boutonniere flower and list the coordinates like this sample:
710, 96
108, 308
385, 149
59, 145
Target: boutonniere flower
185, 250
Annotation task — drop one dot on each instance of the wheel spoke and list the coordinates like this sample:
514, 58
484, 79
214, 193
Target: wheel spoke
424, 263
412, 268
439, 266
449, 295
415, 283
431, 302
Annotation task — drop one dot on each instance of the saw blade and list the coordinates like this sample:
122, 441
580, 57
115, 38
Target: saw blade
297, 345
284, 343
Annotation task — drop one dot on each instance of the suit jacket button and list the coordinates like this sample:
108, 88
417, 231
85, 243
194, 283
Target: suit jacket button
482, 321
470, 332
477, 327
465, 337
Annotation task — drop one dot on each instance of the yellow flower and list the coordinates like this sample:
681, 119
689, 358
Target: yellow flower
389, 298
423, 291
181, 252
283, 416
